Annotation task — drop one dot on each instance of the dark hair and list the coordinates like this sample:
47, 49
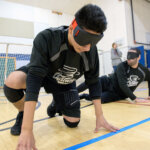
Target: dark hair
136, 49
91, 17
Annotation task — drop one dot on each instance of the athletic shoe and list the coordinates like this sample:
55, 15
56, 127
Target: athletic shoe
85, 96
16, 129
51, 110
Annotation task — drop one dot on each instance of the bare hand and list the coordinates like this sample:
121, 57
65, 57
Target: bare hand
26, 141
148, 98
139, 100
101, 122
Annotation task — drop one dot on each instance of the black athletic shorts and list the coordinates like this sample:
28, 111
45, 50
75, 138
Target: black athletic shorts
66, 96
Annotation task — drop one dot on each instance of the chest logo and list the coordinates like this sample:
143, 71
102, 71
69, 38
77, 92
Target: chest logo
133, 80
66, 75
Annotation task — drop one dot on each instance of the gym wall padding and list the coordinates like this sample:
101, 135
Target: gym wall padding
148, 58
142, 60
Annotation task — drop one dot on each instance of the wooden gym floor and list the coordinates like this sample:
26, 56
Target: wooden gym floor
52, 134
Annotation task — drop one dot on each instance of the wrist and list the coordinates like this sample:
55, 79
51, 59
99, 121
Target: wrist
26, 128
99, 117
26, 132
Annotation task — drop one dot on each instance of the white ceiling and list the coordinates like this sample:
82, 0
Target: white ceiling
65, 6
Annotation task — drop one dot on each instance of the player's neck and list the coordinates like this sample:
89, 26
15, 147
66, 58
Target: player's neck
69, 40
135, 66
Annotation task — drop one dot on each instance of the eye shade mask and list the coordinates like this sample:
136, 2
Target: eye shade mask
84, 38
132, 55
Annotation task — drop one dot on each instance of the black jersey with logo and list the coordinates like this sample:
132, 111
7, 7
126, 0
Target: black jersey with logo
126, 79
53, 57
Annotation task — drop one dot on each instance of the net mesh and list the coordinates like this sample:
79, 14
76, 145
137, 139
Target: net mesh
12, 57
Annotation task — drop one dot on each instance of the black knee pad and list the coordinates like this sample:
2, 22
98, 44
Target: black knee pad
69, 99
13, 95
71, 124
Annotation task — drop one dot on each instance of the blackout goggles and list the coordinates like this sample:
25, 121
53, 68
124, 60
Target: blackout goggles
83, 37
132, 55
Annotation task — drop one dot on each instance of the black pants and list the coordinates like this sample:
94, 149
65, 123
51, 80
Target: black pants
109, 94
65, 96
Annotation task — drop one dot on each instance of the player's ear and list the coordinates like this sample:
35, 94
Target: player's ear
139, 57
70, 28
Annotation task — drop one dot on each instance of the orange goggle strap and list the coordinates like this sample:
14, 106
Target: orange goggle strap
74, 24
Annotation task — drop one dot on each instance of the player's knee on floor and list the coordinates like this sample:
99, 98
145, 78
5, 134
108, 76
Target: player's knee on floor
71, 124
13, 95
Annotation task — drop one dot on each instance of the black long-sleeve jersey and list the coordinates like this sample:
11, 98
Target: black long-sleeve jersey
53, 57
126, 79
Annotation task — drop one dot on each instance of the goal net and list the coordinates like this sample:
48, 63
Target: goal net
12, 57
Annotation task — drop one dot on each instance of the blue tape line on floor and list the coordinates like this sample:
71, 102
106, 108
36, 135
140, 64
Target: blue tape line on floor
75, 147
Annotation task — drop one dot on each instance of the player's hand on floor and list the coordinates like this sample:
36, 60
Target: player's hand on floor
102, 123
140, 100
26, 141
148, 98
